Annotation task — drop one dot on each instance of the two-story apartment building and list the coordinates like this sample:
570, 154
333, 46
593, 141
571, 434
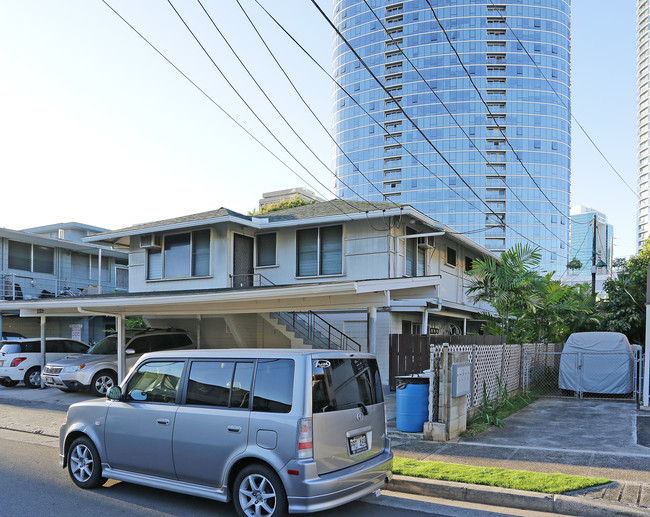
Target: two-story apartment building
329, 274
318, 245
52, 262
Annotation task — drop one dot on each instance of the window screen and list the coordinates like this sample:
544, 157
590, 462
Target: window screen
307, 252
154, 265
20, 256
43, 259
331, 250
201, 253
266, 249
177, 256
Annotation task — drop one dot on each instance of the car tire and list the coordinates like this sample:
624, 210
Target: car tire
33, 377
102, 382
8, 384
84, 464
257, 488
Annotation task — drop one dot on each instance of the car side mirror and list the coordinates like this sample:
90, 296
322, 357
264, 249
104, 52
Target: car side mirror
129, 351
115, 393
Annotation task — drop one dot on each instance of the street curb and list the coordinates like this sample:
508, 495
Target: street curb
534, 501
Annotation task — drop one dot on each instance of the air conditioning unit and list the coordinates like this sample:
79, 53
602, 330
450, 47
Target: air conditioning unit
150, 241
425, 243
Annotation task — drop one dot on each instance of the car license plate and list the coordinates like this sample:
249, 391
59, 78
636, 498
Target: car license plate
358, 443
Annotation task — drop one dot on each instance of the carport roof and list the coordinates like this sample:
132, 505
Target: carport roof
314, 296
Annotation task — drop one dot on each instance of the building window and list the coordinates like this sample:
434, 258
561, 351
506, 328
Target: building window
265, 246
182, 255
319, 251
30, 257
121, 278
469, 263
451, 257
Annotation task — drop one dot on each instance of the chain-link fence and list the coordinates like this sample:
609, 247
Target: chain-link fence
582, 374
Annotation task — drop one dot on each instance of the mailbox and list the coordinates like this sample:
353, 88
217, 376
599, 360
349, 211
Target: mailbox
461, 379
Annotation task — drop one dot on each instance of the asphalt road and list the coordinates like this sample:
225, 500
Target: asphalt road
34, 485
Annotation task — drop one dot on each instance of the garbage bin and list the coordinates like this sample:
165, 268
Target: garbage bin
412, 400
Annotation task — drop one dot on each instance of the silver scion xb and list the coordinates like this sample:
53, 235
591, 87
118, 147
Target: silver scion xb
276, 431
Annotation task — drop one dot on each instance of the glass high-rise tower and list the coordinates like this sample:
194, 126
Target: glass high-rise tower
643, 119
506, 137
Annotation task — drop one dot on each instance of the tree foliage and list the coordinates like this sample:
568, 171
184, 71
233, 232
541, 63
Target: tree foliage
530, 307
624, 307
281, 205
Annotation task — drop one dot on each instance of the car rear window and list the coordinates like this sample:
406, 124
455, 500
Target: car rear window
10, 349
339, 384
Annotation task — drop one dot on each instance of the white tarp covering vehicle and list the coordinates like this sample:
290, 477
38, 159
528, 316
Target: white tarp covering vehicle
597, 362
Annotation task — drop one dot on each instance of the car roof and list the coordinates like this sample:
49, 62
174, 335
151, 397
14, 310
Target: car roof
33, 339
255, 353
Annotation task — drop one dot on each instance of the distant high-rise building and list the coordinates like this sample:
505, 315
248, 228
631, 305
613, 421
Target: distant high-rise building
583, 222
517, 53
643, 40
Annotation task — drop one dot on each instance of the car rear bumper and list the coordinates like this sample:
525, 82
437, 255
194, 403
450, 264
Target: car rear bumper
7, 373
312, 493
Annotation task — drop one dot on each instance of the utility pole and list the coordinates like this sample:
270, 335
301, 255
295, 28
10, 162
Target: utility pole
593, 260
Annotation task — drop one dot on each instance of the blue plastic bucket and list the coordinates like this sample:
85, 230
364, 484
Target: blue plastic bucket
412, 407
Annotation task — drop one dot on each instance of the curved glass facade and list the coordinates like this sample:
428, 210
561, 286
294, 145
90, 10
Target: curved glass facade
491, 195
643, 48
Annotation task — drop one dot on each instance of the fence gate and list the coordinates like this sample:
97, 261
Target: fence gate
582, 374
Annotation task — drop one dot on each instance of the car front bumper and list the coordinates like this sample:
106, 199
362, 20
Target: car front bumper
70, 381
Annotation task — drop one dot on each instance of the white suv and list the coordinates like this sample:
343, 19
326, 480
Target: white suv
20, 359
96, 370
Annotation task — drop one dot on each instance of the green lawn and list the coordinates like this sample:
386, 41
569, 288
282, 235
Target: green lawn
492, 476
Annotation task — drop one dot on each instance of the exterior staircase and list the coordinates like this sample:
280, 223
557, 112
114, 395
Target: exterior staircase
308, 330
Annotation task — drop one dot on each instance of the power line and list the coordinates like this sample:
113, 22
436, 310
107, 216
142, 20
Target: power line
206, 95
394, 100
388, 134
487, 162
563, 103
223, 75
308, 106
270, 101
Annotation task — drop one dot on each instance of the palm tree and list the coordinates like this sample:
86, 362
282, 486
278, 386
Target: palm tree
508, 284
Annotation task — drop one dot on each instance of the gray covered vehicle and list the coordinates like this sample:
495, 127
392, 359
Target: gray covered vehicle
597, 362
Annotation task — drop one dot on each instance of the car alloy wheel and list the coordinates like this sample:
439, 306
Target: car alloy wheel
258, 492
82, 463
102, 382
33, 377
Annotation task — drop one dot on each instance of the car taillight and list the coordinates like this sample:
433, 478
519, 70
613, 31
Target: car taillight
305, 439
17, 361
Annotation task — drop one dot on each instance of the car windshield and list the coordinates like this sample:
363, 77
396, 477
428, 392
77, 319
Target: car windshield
106, 346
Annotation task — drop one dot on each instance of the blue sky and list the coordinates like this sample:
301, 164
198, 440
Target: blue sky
97, 128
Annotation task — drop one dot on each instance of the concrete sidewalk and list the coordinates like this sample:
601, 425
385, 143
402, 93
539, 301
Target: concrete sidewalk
589, 438
596, 438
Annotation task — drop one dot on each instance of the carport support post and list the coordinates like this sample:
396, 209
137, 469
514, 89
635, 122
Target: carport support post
43, 318
120, 323
646, 362
372, 330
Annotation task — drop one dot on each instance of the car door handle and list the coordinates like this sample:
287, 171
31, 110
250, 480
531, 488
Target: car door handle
234, 429
163, 421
